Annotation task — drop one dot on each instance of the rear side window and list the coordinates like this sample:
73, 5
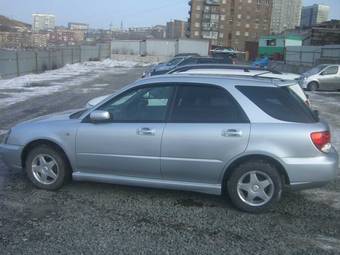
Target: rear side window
280, 103
206, 104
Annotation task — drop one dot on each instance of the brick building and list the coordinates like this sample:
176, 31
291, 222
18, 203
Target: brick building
230, 23
176, 29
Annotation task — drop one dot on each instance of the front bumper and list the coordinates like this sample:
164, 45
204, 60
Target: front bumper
11, 155
315, 172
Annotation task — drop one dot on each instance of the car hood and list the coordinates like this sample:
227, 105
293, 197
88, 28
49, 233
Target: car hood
53, 117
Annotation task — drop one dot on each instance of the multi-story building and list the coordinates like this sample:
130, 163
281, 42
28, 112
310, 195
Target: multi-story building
325, 33
313, 15
15, 40
158, 32
78, 26
230, 23
61, 36
286, 14
39, 40
43, 22
176, 29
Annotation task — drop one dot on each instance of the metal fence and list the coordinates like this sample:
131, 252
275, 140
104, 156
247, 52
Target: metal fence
312, 55
20, 62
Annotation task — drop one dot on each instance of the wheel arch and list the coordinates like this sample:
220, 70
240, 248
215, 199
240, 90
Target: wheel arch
35, 143
236, 162
313, 81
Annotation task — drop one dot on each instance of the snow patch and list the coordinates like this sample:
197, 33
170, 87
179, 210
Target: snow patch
31, 85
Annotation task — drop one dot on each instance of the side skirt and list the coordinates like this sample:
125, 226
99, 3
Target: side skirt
213, 189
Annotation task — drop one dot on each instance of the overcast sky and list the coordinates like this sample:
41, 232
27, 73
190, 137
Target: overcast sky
100, 13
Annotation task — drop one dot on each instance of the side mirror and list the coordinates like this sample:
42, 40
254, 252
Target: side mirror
100, 116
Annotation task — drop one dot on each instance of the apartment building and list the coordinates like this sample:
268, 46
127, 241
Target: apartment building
176, 29
230, 23
15, 39
78, 26
43, 22
313, 15
61, 36
286, 14
39, 40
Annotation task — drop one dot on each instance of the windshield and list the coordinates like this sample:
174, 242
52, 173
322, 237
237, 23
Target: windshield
316, 69
174, 61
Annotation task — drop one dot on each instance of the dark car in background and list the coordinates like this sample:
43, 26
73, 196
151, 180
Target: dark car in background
176, 62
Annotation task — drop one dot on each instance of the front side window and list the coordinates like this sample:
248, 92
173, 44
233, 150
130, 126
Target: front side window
331, 70
206, 104
148, 104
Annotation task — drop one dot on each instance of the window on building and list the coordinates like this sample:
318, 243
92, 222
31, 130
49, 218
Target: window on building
271, 42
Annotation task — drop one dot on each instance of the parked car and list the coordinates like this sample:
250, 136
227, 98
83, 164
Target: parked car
246, 137
322, 77
183, 61
187, 55
244, 70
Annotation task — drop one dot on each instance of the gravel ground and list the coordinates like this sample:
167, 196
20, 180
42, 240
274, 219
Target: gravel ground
89, 218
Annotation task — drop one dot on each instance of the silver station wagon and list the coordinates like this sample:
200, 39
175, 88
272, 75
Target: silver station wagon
244, 137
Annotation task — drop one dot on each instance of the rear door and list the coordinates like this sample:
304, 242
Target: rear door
205, 130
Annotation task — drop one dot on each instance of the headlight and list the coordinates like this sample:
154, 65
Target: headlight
6, 136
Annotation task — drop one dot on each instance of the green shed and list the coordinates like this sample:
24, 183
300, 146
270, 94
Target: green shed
273, 46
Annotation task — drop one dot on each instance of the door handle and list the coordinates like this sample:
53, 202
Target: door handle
232, 133
146, 131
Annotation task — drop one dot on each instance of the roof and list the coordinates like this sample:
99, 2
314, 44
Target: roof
222, 80
290, 37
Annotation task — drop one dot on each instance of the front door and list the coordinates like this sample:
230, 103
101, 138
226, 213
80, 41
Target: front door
206, 129
130, 144
329, 78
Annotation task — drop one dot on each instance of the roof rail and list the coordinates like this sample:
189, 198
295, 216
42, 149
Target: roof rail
245, 68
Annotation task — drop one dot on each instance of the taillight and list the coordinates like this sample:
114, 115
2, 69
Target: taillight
322, 140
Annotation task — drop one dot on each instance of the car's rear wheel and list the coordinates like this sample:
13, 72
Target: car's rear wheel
254, 186
313, 86
47, 167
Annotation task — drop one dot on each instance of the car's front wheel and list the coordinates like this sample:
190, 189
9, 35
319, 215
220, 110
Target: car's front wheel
47, 167
255, 186
313, 86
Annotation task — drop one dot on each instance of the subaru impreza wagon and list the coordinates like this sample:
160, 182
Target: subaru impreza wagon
244, 137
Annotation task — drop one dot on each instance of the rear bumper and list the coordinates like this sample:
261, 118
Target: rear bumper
11, 155
305, 173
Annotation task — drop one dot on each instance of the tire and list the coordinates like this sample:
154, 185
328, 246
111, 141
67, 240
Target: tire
313, 86
241, 183
39, 163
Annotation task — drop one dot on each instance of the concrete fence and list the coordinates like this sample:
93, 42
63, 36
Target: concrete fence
155, 47
20, 62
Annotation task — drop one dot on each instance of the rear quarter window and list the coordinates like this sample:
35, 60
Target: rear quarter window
280, 103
